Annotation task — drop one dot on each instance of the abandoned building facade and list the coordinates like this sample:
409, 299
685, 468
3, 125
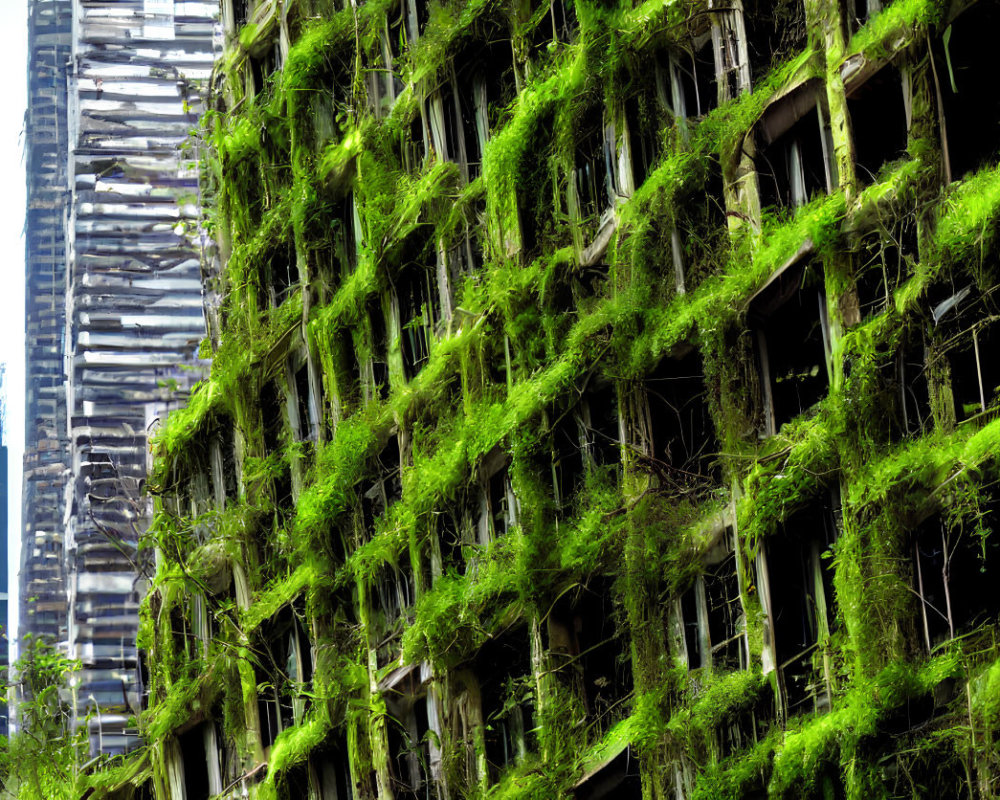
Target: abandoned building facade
603, 405
114, 320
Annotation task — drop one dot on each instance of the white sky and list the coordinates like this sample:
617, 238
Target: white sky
14, 66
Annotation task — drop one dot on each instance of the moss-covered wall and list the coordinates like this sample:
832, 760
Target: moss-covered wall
645, 453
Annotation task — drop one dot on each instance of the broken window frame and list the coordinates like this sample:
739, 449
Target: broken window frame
562, 15
222, 461
330, 775
718, 558
958, 542
593, 187
505, 690
282, 687
644, 430
499, 508
385, 488
303, 430
417, 331
572, 653
729, 45
445, 555
393, 596
792, 274
819, 605
568, 428
405, 690
383, 83
910, 403
778, 119
376, 374
868, 81
967, 314
210, 752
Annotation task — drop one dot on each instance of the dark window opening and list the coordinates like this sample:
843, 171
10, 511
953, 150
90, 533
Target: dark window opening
347, 370
700, 237
379, 352
568, 463
725, 615
969, 94
473, 120
776, 31
500, 505
788, 317
503, 668
878, 122
386, 488
727, 35
305, 406
450, 541
683, 86
272, 411
394, 594
935, 769
678, 437
954, 576
294, 782
587, 647
712, 614
283, 274
594, 170
703, 66
967, 326
747, 725
415, 145
241, 12
228, 448
142, 672
910, 388
643, 115
409, 734
331, 772
882, 264
792, 145
800, 607
283, 668
483, 94
975, 371
466, 257
418, 314
564, 23
261, 69
284, 502
535, 199
860, 11
345, 236
600, 418
690, 620
192, 744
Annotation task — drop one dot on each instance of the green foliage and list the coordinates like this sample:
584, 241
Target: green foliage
40, 761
